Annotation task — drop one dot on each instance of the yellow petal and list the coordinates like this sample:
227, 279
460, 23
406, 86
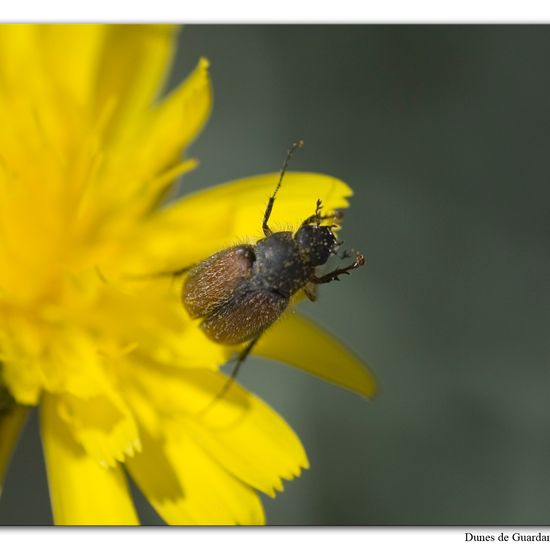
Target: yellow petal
89, 401
21, 347
11, 423
254, 444
64, 360
240, 432
81, 491
49, 107
134, 63
72, 57
225, 215
18, 48
24, 381
299, 342
72, 364
144, 156
103, 425
173, 124
149, 314
187, 487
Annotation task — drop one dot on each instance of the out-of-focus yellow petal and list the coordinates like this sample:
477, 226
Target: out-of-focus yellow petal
133, 65
11, 423
71, 55
243, 434
18, 44
165, 333
187, 487
227, 214
145, 154
24, 381
299, 342
170, 126
21, 346
81, 491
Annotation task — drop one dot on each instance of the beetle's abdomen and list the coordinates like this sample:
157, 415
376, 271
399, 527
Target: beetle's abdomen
244, 317
214, 280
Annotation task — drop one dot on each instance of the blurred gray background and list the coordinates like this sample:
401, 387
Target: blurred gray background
444, 134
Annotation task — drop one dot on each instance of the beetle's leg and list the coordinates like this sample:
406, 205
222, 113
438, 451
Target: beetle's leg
240, 360
317, 217
333, 275
269, 207
180, 271
310, 290
173, 273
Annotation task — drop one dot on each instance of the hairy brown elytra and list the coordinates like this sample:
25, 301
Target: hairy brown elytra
240, 291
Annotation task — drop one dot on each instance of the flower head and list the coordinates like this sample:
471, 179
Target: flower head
118, 369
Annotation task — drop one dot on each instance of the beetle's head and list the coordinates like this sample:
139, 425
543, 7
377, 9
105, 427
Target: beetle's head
316, 242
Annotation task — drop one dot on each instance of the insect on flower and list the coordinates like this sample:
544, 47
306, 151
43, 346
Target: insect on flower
240, 291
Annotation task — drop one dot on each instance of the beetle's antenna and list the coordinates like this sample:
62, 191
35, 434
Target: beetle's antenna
296, 145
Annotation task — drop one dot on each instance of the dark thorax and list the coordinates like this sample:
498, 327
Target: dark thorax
280, 267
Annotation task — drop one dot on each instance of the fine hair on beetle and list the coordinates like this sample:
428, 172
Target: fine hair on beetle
239, 292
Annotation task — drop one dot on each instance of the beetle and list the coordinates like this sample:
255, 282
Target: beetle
239, 292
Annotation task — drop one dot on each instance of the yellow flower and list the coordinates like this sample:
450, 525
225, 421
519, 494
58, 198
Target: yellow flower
117, 368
